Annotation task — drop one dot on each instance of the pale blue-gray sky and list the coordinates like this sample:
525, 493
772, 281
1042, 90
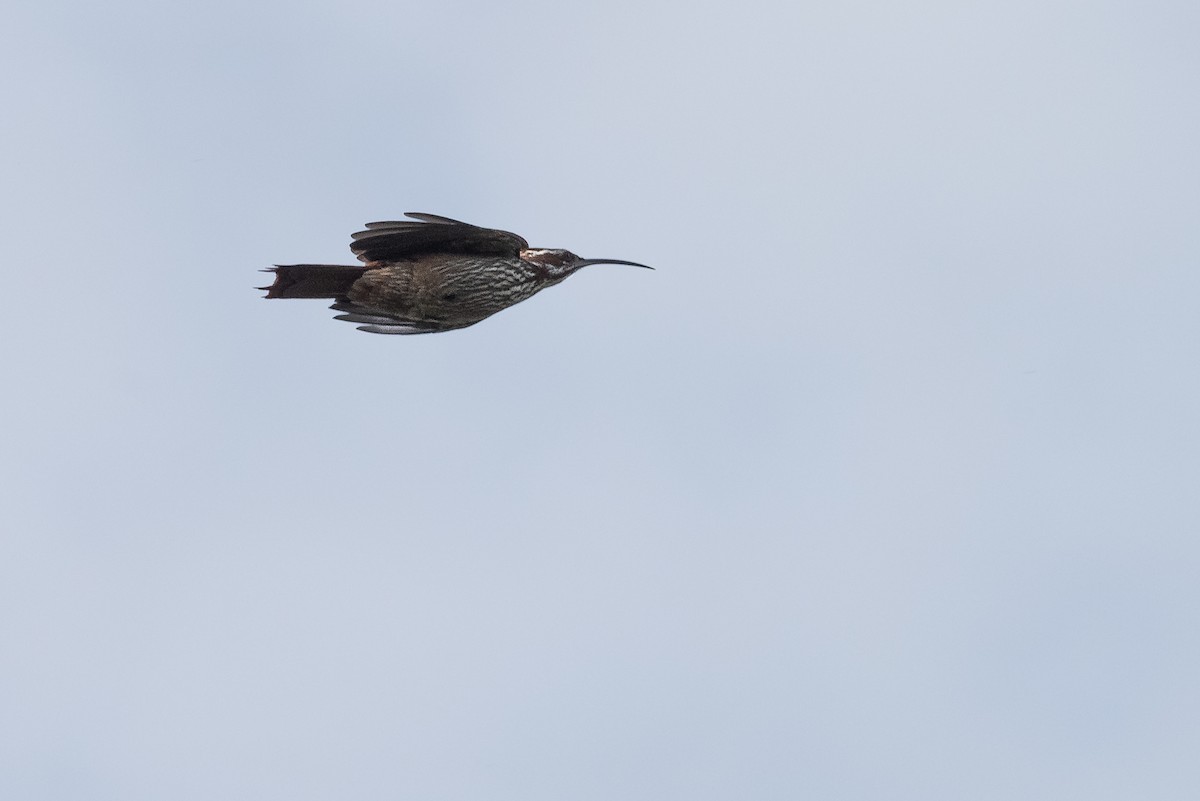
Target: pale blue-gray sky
882, 486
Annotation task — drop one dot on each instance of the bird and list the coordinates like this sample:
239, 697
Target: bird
429, 274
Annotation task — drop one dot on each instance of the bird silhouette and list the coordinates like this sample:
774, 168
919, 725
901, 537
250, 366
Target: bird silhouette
429, 274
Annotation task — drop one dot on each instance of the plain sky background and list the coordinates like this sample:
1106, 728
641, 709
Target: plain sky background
883, 486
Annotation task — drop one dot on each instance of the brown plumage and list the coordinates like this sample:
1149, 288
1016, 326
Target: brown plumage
431, 275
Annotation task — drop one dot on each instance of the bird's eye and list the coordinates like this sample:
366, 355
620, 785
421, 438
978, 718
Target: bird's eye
450, 296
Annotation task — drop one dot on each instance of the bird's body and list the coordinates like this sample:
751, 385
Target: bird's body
429, 276
449, 288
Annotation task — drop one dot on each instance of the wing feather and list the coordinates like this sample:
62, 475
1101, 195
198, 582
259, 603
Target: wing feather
392, 240
378, 322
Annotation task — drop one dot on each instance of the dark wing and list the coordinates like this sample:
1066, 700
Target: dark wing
376, 322
400, 239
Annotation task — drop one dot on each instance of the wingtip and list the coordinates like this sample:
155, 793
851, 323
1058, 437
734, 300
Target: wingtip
438, 219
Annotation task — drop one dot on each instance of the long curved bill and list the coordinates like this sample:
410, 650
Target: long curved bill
586, 262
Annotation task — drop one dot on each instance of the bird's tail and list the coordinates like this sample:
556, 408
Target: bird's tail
312, 280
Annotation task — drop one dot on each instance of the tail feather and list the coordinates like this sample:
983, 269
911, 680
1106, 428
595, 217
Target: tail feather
312, 280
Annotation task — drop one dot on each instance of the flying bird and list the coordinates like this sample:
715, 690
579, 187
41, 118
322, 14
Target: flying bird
429, 274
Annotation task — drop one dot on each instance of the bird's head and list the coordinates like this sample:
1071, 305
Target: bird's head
561, 263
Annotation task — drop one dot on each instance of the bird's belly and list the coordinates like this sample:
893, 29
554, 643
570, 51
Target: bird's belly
459, 293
